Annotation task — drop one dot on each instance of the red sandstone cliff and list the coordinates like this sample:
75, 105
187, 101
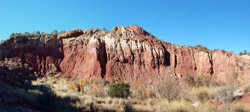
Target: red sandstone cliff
125, 53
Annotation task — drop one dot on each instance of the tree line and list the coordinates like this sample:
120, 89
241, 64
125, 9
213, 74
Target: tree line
244, 53
52, 32
35, 32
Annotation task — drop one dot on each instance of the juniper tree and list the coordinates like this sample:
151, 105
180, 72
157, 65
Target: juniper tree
240, 53
37, 32
12, 35
54, 32
245, 52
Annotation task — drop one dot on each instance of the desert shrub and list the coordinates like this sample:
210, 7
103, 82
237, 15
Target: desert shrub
223, 51
97, 90
173, 46
201, 80
150, 37
90, 86
93, 86
189, 79
247, 89
203, 96
225, 94
120, 90
205, 80
74, 86
138, 89
168, 87
66, 77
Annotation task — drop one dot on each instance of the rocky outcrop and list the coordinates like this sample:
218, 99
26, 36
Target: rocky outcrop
124, 53
38, 51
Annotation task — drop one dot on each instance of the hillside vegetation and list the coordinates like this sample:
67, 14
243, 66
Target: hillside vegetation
126, 69
66, 93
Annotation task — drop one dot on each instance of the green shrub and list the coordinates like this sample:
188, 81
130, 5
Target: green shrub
120, 90
245, 52
240, 53
26, 33
19, 33
12, 35
61, 32
223, 51
54, 32
37, 32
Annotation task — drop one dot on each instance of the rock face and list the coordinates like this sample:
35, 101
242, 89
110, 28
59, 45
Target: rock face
38, 51
122, 54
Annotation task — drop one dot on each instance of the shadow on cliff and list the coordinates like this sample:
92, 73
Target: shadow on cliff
167, 57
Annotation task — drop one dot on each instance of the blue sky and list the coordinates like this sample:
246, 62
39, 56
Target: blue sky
216, 24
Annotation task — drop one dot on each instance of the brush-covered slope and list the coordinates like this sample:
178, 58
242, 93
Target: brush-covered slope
122, 54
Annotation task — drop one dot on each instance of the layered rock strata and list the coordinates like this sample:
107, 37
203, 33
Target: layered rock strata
122, 54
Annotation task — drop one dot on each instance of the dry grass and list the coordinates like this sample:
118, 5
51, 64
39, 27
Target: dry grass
175, 106
195, 93
165, 95
206, 107
233, 107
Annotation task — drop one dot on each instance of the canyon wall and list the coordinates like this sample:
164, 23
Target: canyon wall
122, 54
